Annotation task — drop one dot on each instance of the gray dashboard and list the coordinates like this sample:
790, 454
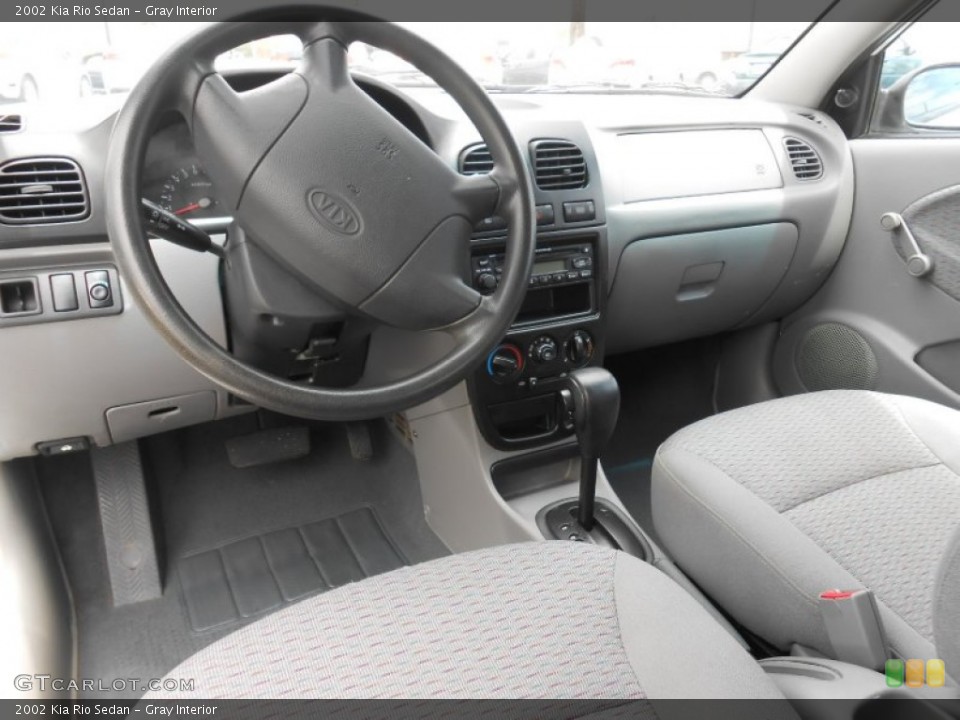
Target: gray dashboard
708, 228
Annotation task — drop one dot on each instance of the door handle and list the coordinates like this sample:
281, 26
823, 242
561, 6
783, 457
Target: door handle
919, 264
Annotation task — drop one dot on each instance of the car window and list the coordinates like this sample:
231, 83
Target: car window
66, 62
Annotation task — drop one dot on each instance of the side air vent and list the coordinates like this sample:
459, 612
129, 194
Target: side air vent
804, 159
42, 190
11, 123
558, 165
476, 160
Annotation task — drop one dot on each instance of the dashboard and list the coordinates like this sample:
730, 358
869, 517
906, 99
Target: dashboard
697, 216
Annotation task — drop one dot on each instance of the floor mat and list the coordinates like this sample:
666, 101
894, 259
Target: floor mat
662, 390
353, 519
260, 574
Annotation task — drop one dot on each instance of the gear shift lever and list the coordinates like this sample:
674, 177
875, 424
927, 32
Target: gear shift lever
591, 404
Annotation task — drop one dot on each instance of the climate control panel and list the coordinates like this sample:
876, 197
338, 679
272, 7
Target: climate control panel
527, 361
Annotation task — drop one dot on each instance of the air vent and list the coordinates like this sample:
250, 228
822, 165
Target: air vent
42, 190
476, 160
11, 123
804, 159
558, 165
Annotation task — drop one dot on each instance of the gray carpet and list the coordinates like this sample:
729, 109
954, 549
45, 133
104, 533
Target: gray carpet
235, 544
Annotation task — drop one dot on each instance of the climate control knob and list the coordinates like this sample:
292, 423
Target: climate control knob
505, 364
579, 349
544, 350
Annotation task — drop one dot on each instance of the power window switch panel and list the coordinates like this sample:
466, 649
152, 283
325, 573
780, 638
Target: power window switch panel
63, 287
99, 292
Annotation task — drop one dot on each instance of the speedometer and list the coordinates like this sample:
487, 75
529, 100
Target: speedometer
188, 193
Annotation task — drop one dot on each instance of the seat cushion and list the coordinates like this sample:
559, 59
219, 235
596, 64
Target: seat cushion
540, 620
768, 506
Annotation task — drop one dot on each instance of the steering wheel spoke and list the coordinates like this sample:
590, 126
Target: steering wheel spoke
478, 195
325, 56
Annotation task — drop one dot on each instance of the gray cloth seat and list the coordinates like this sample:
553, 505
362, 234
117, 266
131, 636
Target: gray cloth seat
540, 620
767, 506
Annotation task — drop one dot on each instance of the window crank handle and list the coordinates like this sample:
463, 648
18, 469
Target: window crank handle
919, 264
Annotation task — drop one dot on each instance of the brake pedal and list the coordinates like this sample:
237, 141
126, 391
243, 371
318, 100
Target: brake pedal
268, 446
127, 528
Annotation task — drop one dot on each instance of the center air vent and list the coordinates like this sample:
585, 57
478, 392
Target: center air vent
10, 123
558, 165
804, 159
476, 160
42, 190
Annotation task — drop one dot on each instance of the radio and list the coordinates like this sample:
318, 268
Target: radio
554, 266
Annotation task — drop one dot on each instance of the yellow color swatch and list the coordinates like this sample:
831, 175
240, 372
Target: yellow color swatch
936, 673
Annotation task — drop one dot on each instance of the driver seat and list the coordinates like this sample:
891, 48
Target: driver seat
550, 620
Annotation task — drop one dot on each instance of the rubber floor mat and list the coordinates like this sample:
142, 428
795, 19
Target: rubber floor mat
254, 527
261, 574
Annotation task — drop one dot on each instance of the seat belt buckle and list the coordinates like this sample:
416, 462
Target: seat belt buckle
853, 627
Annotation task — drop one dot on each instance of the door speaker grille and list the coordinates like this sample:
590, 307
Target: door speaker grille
836, 357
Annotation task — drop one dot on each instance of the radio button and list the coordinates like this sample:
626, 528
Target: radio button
581, 263
586, 274
573, 276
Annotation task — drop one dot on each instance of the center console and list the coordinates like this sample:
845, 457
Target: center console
541, 399
516, 393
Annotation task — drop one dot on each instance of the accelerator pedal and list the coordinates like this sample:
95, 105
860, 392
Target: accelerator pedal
361, 441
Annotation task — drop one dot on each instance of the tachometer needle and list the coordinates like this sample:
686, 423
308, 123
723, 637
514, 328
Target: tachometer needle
198, 205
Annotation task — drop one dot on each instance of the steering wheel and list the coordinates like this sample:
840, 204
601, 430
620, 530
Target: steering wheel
338, 193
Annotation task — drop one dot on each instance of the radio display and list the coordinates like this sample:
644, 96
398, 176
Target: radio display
549, 266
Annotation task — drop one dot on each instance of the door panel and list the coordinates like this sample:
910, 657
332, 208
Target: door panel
889, 318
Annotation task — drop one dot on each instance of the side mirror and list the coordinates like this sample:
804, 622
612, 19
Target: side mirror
928, 99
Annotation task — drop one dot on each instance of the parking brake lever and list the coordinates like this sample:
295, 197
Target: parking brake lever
167, 226
919, 264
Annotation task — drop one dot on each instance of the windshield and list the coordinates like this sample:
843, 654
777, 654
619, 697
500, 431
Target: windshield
72, 61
